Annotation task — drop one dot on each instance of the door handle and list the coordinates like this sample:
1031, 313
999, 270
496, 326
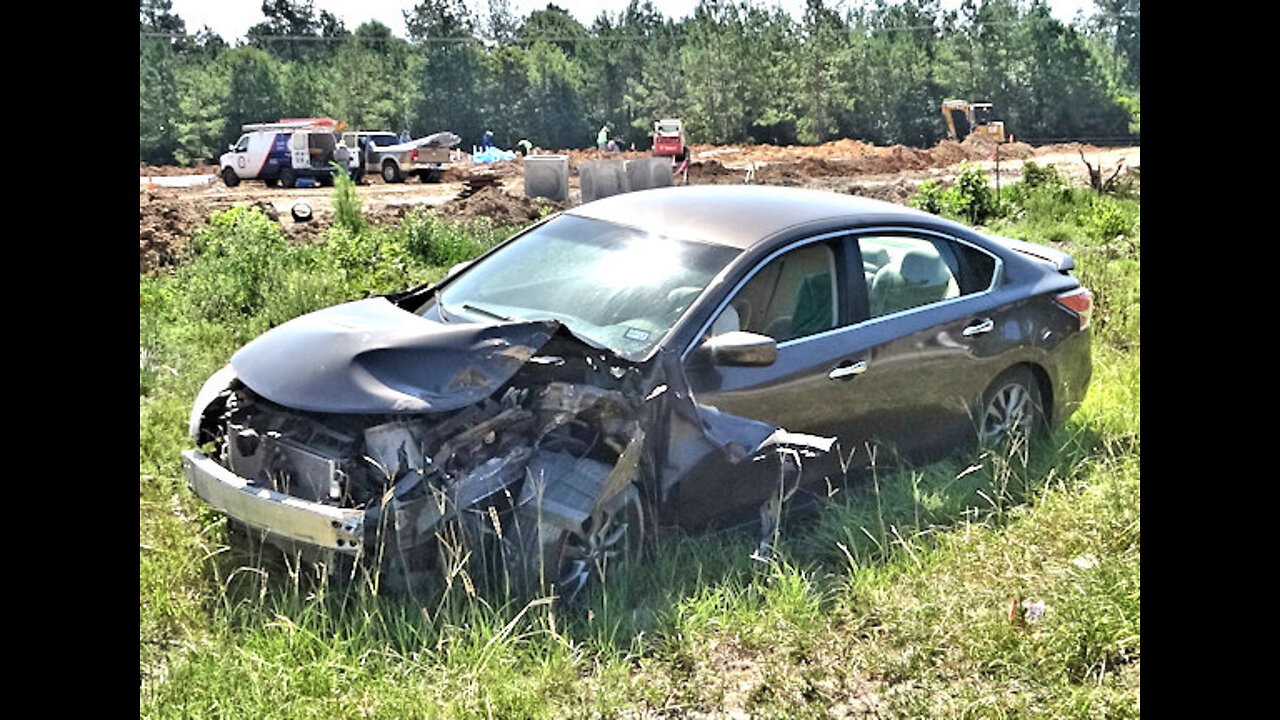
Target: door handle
980, 327
844, 371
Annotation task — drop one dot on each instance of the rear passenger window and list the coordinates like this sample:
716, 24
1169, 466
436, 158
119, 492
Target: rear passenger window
902, 272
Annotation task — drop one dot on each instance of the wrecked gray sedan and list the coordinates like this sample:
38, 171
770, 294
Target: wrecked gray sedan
678, 355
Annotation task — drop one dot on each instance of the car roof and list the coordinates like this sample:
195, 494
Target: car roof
739, 215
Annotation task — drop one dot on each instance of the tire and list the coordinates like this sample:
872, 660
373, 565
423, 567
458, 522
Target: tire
432, 176
271, 182
229, 177
288, 178
1011, 407
325, 180
391, 173
564, 563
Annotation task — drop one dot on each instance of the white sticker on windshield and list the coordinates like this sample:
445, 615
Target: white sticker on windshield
637, 334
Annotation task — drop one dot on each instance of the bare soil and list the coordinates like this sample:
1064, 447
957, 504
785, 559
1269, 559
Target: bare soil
174, 203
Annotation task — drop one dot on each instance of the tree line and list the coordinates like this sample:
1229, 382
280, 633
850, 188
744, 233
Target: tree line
734, 71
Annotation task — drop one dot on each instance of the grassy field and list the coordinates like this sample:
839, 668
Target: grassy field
906, 596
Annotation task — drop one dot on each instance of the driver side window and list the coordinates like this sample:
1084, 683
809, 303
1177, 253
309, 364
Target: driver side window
793, 296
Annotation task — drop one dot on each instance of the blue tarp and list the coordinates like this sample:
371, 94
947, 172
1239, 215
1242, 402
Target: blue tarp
492, 155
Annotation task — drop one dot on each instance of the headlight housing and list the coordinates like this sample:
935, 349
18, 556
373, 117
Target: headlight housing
216, 383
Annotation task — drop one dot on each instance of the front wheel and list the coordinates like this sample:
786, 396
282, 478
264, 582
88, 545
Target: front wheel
229, 177
566, 562
1011, 407
391, 173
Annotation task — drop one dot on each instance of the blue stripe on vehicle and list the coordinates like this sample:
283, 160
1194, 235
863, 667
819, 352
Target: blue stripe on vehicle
277, 156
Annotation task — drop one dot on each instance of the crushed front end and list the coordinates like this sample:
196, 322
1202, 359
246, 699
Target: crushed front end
394, 431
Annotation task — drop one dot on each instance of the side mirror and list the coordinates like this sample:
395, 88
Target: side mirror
741, 349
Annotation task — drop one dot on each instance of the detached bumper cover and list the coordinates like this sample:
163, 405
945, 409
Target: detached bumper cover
282, 515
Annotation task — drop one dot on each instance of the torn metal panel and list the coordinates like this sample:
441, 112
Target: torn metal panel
563, 489
417, 518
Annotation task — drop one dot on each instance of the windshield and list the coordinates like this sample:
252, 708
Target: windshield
617, 286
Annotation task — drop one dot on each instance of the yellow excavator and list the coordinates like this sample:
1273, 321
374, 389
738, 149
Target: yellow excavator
963, 118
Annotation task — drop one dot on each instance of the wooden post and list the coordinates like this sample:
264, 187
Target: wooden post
997, 173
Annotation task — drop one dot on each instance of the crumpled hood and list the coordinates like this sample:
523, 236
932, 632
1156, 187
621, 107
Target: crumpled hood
371, 356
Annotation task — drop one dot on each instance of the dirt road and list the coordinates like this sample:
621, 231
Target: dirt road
175, 202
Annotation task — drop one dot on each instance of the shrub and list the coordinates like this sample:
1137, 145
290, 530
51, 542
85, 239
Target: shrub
969, 198
436, 242
1106, 220
1037, 176
929, 197
972, 198
346, 202
237, 257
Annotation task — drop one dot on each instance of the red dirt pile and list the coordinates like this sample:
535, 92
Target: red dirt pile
496, 204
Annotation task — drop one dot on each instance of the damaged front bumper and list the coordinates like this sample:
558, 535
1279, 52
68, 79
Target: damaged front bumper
284, 516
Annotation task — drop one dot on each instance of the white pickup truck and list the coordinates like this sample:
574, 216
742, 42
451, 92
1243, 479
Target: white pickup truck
382, 153
285, 151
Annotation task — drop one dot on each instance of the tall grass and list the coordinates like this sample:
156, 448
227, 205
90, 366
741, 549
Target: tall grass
892, 599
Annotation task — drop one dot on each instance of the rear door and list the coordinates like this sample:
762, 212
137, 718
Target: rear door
927, 326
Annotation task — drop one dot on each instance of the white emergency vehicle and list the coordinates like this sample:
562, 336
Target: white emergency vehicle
285, 151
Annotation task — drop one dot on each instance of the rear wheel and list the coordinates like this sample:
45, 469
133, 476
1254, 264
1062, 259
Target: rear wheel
1011, 407
288, 177
229, 177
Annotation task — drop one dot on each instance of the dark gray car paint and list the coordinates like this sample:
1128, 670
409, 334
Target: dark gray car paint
378, 356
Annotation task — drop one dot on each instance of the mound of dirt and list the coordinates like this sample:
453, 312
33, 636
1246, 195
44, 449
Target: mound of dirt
983, 147
498, 205
899, 191
165, 226
712, 169
145, 170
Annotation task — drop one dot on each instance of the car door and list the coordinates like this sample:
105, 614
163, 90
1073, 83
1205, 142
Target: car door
898, 369
240, 157
926, 333
798, 296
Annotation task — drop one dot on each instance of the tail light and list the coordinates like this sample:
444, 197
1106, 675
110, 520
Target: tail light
415, 156
1080, 302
